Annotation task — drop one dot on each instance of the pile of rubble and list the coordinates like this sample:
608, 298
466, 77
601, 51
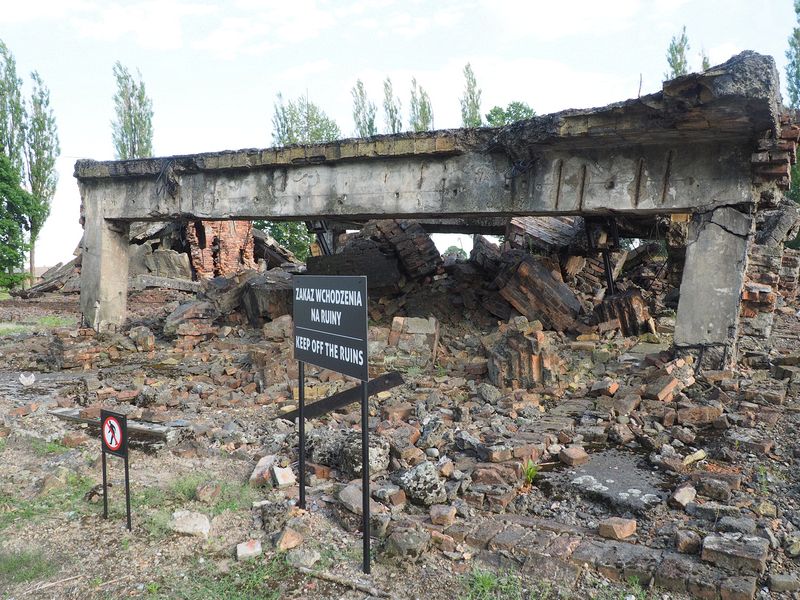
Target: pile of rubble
540, 420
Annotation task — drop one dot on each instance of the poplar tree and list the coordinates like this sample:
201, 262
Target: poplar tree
471, 100
420, 110
132, 128
391, 108
41, 151
12, 111
363, 111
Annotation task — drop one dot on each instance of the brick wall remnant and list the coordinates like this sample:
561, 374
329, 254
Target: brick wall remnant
220, 248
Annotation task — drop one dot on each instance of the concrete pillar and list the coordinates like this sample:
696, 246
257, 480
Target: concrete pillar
711, 288
104, 268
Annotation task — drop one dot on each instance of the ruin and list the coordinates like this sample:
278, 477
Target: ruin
710, 149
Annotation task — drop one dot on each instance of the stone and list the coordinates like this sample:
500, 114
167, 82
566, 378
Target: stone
736, 552
783, 582
283, 476
489, 393
699, 415
617, 528
407, 544
287, 539
143, 338
350, 498
189, 522
737, 525
303, 557
738, 588
766, 509
261, 472
422, 484
247, 550
682, 496
350, 455
73, 439
687, 541
573, 456
443, 514
714, 488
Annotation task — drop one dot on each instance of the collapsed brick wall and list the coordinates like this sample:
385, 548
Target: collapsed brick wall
220, 248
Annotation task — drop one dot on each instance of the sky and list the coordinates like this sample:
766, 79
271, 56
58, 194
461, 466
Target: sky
213, 68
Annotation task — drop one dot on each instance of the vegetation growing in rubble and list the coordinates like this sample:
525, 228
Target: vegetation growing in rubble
676, 56
391, 108
420, 110
25, 565
363, 111
29, 138
487, 585
471, 100
515, 111
132, 128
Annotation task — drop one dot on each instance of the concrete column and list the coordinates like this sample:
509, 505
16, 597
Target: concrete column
104, 268
711, 288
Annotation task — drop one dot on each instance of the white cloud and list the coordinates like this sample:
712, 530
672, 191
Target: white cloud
153, 24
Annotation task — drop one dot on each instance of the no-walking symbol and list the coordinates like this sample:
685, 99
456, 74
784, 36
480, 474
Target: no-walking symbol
114, 440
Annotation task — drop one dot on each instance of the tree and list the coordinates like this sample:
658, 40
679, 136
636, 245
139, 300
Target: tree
363, 111
421, 112
471, 100
705, 63
298, 122
41, 151
12, 111
793, 66
676, 56
458, 253
515, 111
132, 130
302, 122
15, 205
391, 108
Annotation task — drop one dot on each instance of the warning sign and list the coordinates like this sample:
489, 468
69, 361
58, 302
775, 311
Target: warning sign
330, 323
114, 433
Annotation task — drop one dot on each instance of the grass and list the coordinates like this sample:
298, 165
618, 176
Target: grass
45, 322
68, 498
632, 589
251, 580
530, 471
51, 321
19, 567
3, 444
487, 585
179, 493
42, 448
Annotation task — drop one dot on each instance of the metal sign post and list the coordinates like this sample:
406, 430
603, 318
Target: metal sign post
330, 331
114, 440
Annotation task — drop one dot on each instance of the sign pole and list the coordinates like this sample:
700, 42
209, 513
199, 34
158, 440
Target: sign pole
127, 493
302, 425
105, 488
365, 473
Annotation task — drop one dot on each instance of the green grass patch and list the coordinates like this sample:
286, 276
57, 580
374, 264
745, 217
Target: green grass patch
14, 328
68, 498
266, 579
4, 295
3, 444
51, 321
487, 585
42, 448
19, 567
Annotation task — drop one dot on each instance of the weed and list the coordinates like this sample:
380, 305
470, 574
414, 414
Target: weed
42, 448
234, 497
486, 585
762, 477
156, 524
185, 488
530, 470
18, 567
68, 498
3, 444
440, 370
258, 579
414, 371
